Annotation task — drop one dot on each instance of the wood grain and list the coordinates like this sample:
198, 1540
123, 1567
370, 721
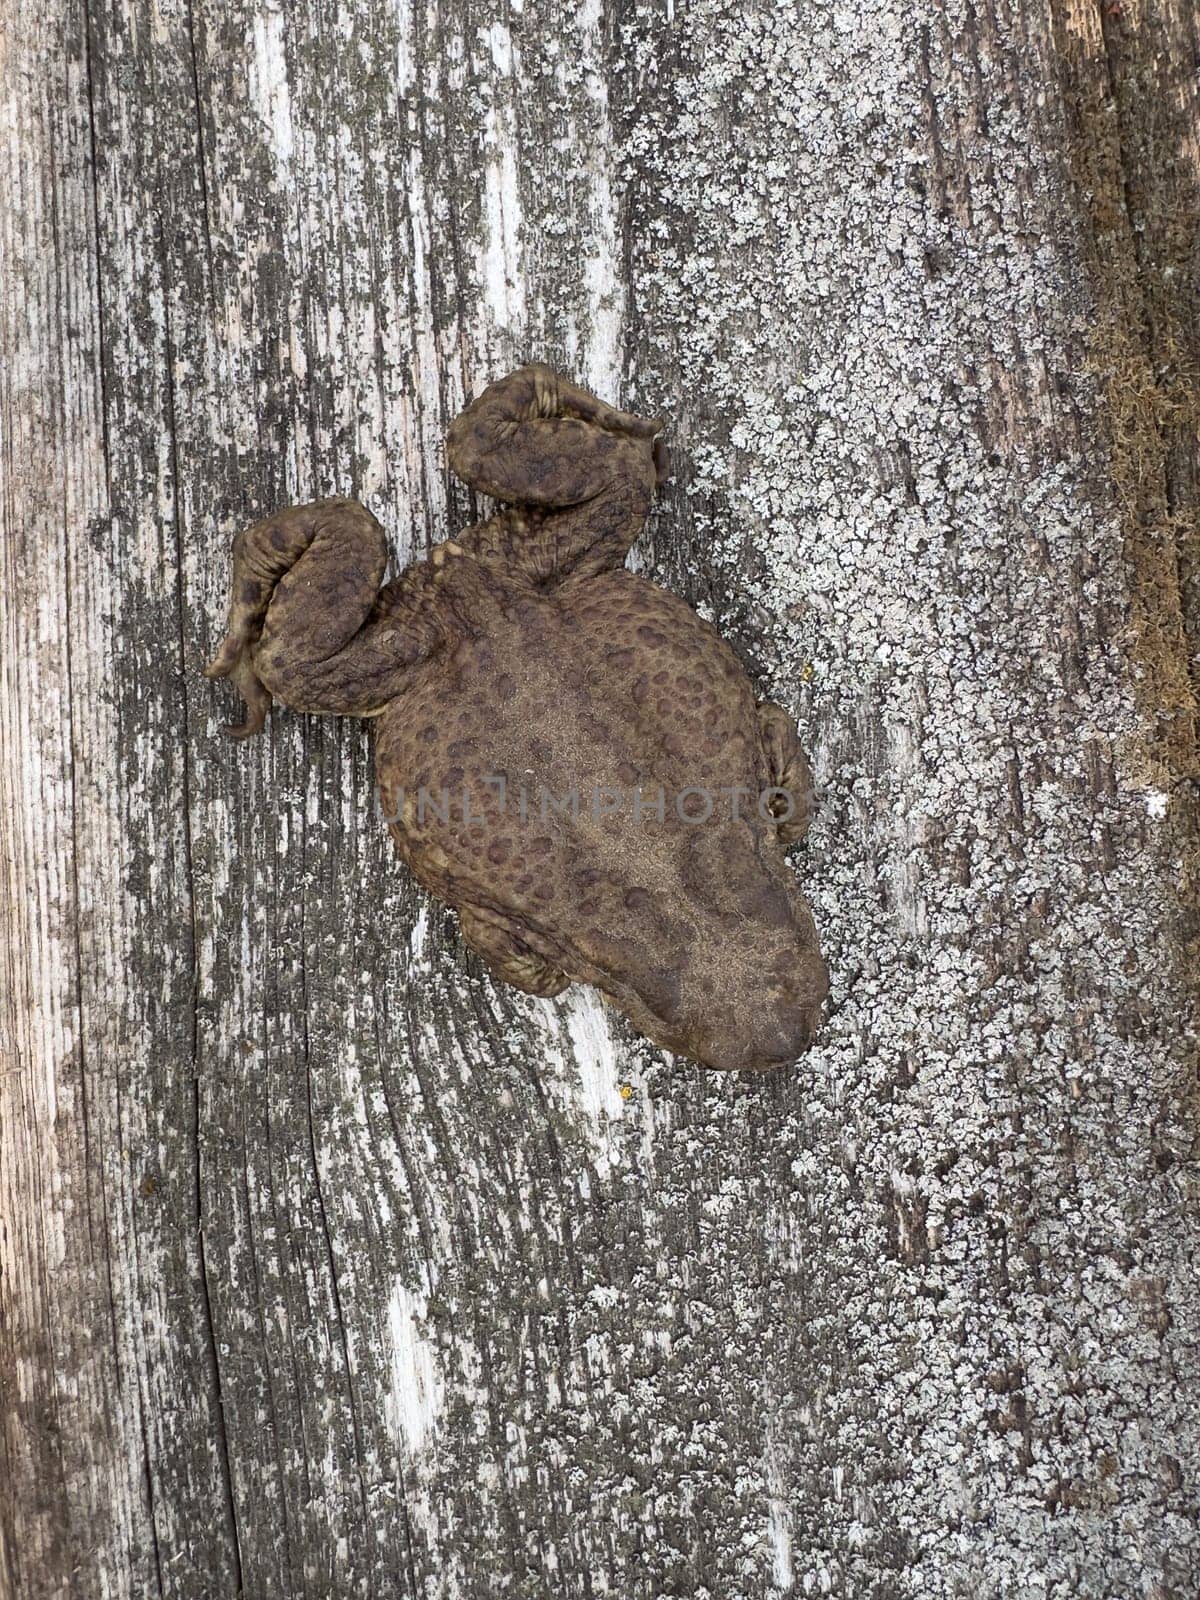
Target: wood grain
329, 1267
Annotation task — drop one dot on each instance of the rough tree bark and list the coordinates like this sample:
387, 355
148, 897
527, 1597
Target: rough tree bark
328, 1267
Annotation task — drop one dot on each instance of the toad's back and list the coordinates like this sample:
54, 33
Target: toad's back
611, 683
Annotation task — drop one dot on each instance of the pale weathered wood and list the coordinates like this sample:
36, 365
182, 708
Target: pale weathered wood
330, 1268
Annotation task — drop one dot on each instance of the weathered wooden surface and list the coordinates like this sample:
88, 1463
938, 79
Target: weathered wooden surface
331, 1269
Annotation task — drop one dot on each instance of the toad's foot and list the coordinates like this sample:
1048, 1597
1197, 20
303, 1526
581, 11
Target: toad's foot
507, 957
793, 802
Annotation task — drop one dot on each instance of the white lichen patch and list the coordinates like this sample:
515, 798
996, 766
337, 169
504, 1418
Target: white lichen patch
595, 1054
503, 274
586, 1082
415, 1398
269, 92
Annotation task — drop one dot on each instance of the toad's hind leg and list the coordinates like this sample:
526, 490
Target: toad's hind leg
506, 956
793, 802
308, 622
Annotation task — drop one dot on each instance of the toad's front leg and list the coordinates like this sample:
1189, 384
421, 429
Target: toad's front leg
308, 621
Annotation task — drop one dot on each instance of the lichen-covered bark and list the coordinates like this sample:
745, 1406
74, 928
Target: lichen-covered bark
329, 1267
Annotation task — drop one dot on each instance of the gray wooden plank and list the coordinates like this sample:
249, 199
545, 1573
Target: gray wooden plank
329, 1266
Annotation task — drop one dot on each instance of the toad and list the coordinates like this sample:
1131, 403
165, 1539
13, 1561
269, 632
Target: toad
566, 753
